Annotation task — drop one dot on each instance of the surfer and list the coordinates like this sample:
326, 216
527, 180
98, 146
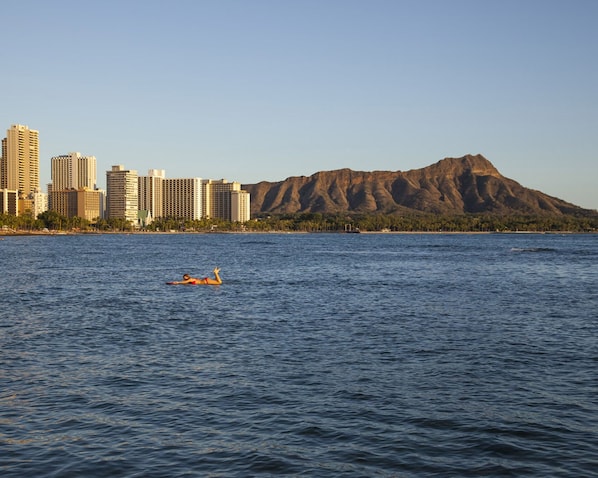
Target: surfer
187, 279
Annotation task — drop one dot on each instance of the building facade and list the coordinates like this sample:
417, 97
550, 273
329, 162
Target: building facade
182, 198
122, 191
73, 171
9, 202
73, 191
217, 198
151, 194
40, 203
225, 200
84, 203
19, 164
240, 206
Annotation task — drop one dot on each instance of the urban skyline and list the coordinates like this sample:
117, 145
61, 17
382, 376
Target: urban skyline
73, 190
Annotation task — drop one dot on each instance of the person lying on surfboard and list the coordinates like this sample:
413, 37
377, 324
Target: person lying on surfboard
188, 280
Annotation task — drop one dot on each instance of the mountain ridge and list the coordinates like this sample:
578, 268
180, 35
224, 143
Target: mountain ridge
468, 184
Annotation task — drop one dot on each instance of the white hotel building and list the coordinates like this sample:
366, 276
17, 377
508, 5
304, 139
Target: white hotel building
182, 198
240, 206
73, 171
225, 200
122, 193
191, 198
151, 193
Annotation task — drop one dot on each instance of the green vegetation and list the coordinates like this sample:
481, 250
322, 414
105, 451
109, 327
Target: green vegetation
316, 222
425, 223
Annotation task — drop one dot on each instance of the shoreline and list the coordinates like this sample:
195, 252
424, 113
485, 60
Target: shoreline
11, 233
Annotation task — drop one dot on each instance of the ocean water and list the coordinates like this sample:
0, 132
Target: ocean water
366, 355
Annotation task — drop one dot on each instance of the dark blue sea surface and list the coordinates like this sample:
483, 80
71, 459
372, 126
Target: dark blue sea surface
326, 355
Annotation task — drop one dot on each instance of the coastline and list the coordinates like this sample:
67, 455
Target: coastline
11, 233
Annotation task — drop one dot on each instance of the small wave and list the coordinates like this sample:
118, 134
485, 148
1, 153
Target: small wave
532, 249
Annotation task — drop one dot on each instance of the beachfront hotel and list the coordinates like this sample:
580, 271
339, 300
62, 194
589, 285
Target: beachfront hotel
19, 172
84, 203
151, 194
19, 165
182, 198
161, 197
73, 191
73, 171
191, 198
225, 200
122, 194
240, 206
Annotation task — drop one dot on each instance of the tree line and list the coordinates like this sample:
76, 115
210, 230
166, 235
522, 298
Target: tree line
316, 222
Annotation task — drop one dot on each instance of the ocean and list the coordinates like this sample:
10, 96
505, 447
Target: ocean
325, 355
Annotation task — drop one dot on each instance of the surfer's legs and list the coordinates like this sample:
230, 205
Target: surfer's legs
217, 276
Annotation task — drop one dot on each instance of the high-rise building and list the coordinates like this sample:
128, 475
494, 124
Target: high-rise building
240, 206
73, 189
40, 202
84, 203
9, 202
182, 198
19, 164
225, 200
73, 171
122, 191
151, 193
216, 198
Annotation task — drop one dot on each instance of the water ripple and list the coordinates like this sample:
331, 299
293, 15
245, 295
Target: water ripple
321, 355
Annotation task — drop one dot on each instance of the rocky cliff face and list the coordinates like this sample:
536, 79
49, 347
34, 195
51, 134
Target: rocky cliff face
470, 184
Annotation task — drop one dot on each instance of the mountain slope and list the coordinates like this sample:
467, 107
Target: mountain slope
470, 184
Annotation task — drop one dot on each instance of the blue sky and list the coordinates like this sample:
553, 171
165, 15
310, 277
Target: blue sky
252, 90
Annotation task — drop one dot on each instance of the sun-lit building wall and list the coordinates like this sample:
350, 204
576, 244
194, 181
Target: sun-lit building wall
217, 198
19, 164
9, 203
122, 191
73, 171
240, 206
151, 193
182, 198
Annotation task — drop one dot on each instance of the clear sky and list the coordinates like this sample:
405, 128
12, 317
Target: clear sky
251, 90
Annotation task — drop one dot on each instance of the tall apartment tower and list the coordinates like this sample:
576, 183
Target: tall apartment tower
183, 198
151, 193
73, 171
122, 191
19, 165
72, 191
240, 206
216, 198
